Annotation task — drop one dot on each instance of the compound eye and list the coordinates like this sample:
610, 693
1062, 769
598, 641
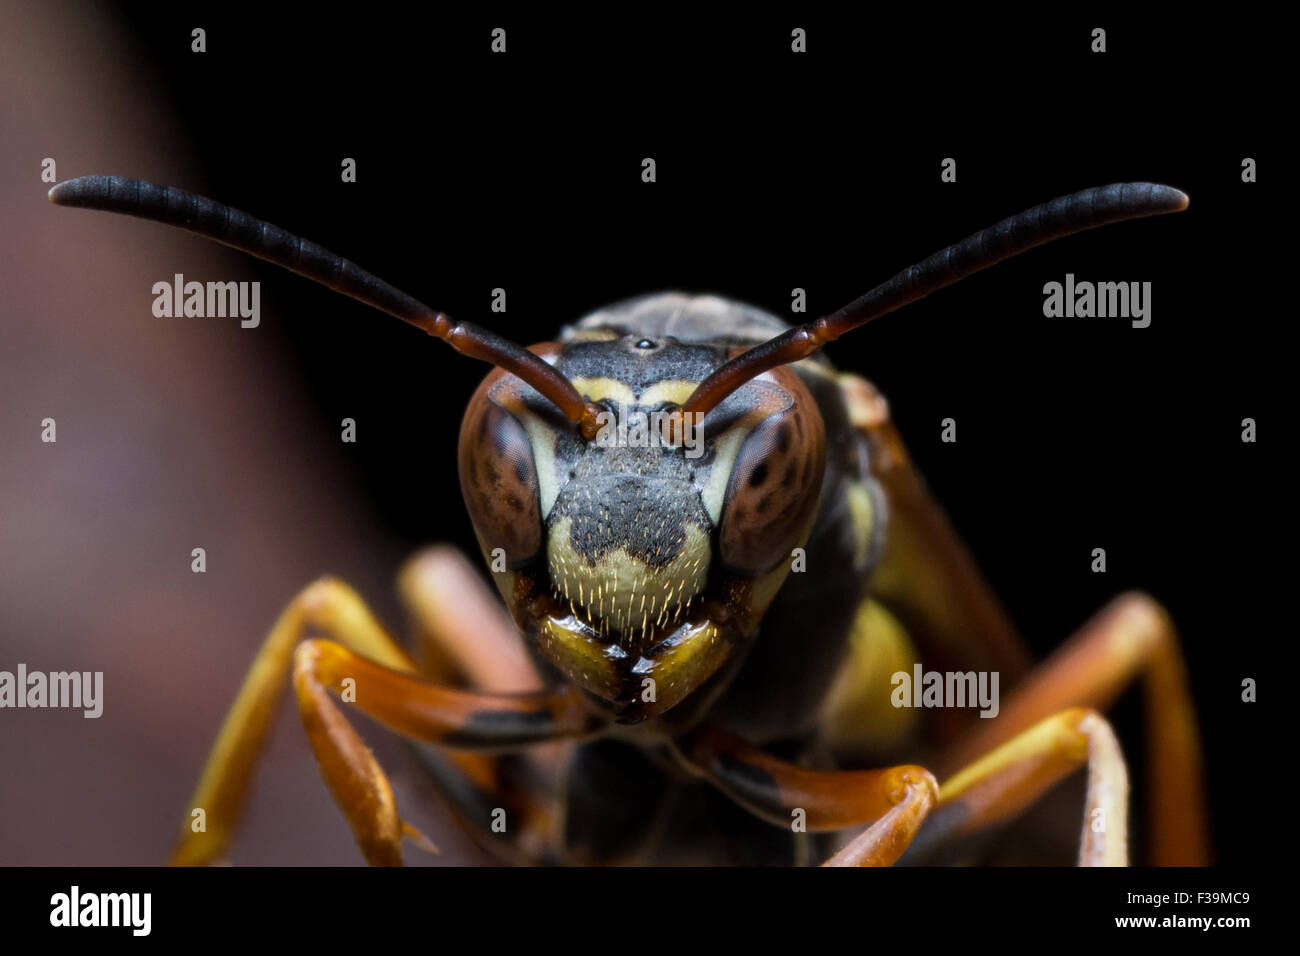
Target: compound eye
498, 479
773, 491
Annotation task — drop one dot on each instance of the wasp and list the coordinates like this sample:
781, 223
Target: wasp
694, 659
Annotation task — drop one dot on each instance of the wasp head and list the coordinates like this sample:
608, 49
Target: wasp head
639, 562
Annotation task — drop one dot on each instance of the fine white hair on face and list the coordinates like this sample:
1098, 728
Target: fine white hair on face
622, 594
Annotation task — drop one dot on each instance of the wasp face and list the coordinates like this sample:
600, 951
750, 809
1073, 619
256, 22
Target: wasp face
640, 562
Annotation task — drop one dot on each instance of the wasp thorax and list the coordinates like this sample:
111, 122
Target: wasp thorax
629, 553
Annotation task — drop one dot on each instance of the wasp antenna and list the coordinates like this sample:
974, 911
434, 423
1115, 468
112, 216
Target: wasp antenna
1086, 209
231, 227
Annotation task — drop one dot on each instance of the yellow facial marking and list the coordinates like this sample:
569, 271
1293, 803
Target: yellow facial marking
542, 438
724, 455
620, 593
591, 335
599, 389
674, 390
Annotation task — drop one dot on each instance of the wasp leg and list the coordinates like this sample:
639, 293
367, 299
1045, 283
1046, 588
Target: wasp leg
1131, 637
325, 671
895, 800
468, 639
1006, 781
328, 606
465, 631
926, 576
331, 607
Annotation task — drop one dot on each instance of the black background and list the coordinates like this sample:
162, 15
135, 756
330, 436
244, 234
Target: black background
819, 171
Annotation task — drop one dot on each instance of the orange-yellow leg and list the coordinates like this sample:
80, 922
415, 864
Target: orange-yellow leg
330, 607
896, 799
1130, 637
465, 632
326, 672
1003, 782
467, 639
327, 606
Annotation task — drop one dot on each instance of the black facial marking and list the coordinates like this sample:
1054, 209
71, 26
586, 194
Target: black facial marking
646, 516
630, 362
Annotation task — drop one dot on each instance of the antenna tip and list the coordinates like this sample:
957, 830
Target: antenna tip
1168, 198
80, 191
64, 193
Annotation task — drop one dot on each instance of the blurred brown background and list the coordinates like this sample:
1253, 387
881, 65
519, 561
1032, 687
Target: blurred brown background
170, 437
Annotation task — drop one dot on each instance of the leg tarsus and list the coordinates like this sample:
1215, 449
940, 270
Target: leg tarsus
1003, 782
419, 839
895, 800
882, 843
1105, 844
358, 783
